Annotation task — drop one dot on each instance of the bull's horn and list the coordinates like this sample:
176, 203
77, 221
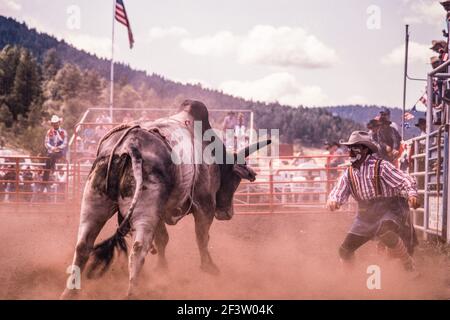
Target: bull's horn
244, 153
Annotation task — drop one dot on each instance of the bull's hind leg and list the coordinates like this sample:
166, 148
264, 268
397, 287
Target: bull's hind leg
161, 240
203, 223
96, 209
144, 222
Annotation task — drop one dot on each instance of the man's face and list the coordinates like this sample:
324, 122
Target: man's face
423, 127
385, 115
375, 128
357, 153
55, 125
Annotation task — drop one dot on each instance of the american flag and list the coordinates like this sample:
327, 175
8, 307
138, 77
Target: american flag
408, 116
121, 16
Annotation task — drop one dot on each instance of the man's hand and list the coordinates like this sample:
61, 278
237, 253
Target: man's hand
413, 202
333, 205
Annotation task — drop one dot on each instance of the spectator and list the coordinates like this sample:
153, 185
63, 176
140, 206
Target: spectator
80, 145
128, 118
440, 47
336, 158
10, 181
228, 127
144, 116
27, 178
100, 131
230, 121
56, 145
103, 118
2, 184
386, 114
88, 138
435, 62
422, 125
388, 140
61, 179
373, 126
240, 133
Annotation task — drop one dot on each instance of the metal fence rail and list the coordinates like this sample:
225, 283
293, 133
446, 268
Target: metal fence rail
21, 181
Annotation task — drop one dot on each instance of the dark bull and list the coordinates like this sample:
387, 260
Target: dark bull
135, 177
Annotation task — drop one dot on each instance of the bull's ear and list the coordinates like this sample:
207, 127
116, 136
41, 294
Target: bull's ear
244, 153
244, 172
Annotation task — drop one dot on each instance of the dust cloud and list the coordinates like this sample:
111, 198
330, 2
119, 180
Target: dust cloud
286, 256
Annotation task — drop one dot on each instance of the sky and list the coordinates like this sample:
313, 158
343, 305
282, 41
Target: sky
297, 52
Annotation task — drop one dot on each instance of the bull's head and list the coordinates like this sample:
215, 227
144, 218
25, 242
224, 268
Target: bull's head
231, 176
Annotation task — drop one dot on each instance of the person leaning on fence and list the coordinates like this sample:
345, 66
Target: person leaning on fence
56, 145
388, 140
228, 127
384, 195
335, 153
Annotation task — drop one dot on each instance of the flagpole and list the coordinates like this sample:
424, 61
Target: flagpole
111, 91
404, 79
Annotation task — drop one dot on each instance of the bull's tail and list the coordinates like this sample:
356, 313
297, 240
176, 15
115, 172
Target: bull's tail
103, 253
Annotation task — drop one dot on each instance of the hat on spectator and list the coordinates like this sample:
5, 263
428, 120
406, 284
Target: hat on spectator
373, 123
55, 119
385, 111
421, 121
438, 44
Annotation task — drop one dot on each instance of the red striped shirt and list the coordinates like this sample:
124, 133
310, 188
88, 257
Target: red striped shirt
393, 182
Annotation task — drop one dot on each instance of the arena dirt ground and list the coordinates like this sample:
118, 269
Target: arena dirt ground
289, 256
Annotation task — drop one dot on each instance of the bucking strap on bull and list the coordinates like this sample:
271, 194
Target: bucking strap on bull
384, 195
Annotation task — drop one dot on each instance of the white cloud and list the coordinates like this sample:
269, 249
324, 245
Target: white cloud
285, 46
10, 5
266, 45
430, 12
220, 44
282, 87
159, 32
417, 53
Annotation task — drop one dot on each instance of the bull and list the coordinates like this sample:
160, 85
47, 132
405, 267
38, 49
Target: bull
137, 176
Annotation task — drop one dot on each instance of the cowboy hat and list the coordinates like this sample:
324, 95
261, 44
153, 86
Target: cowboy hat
373, 123
363, 138
385, 111
55, 119
438, 44
421, 121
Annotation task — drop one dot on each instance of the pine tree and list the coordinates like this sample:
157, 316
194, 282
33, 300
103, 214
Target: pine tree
9, 60
51, 64
27, 85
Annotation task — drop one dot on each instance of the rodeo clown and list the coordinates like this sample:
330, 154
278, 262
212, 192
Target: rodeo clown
384, 195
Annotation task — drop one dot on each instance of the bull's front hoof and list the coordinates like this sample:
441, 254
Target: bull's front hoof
131, 296
69, 294
210, 268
